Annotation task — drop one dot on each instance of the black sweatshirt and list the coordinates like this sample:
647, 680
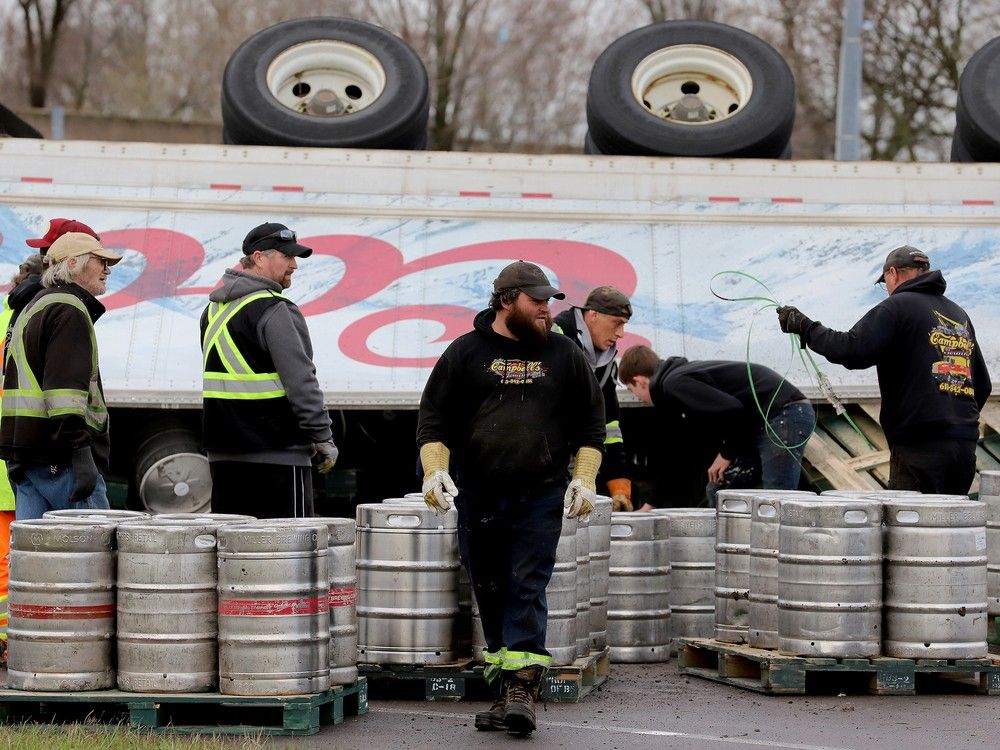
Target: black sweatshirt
511, 412
715, 396
931, 372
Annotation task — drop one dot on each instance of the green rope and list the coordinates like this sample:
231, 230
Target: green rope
822, 381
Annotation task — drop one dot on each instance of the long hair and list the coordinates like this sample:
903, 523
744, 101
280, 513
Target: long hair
59, 273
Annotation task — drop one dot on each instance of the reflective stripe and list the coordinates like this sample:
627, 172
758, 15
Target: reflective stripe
514, 660
239, 381
613, 432
494, 664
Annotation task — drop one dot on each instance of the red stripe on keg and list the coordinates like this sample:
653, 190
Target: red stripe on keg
273, 607
47, 612
343, 597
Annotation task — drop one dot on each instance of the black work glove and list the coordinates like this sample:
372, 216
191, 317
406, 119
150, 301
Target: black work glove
84, 473
792, 320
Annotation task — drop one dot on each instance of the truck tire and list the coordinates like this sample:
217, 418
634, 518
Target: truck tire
588, 145
977, 112
171, 472
959, 151
691, 88
325, 82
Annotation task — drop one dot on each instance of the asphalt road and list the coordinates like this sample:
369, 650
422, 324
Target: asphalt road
653, 706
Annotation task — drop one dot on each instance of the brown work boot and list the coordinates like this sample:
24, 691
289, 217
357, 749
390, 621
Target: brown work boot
495, 718
522, 692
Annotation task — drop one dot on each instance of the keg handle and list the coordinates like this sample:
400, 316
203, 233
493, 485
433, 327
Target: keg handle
402, 521
766, 511
907, 516
735, 505
620, 530
856, 517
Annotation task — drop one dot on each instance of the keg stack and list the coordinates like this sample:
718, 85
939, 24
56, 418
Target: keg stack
989, 495
182, 603
692, 572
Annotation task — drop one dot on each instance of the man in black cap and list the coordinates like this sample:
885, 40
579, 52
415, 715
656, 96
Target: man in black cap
265, 421
512, 404
931, 373
596, 328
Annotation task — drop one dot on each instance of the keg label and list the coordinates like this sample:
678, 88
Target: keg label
47, 612
312, 605
346, 597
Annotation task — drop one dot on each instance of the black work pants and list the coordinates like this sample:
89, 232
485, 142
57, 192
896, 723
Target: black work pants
262, 490
945, 467
507, 542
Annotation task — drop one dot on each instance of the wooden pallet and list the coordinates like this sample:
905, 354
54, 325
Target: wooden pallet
464, 679
771, 673
192, 713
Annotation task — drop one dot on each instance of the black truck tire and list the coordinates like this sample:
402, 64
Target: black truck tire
312, 82
977, 112
744, 90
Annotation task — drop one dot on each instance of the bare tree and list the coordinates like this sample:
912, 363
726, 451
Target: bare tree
41, 37
695, 10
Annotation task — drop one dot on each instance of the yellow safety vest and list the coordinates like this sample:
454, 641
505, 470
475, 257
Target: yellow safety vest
6, 491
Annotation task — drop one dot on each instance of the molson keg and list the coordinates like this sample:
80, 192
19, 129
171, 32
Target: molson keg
763, 617
599, 530
109, 514
989, 494
692, 572
274, 611
935, 579
639, 588
407, 558
342, 596
167, 606
582, 623
61, 604
830, 577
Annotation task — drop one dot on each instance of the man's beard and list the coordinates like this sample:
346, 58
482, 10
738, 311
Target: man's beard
525, 326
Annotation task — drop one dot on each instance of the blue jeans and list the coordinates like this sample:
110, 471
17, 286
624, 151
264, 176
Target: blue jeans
507, 542
38, 489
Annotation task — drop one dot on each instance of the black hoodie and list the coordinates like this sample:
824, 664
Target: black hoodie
512, 412
713, 398
931, 372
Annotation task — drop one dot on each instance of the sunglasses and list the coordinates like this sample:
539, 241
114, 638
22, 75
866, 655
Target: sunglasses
285, 235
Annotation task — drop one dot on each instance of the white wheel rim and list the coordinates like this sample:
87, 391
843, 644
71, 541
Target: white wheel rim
325, 78
720, 83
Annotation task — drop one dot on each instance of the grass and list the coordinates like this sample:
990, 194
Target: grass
93, 737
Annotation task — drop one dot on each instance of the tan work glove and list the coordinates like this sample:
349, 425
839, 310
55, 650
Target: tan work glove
438, 487
325, 456
621, 494
582, 490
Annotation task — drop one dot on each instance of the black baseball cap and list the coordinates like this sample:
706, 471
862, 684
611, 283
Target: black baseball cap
904, 257
273, 236
528, 278
610, 301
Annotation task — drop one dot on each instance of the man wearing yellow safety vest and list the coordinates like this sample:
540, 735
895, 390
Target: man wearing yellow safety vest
596, 328
54, 430
511, 403
265, 422
6, 513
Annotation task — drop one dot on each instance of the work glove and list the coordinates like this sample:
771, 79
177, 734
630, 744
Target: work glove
325, 456
792, 320
84, 474
438, 487
621, 494
582, 490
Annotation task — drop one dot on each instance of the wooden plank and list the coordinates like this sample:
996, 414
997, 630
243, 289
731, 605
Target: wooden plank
828, 458
990, 415
869, 461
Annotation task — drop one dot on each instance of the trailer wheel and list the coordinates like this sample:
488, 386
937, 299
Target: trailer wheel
320, 82
588, 145
172, 474
977, 112
691, 88
959, 151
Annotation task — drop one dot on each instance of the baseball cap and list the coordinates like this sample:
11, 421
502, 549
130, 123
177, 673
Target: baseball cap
273, 236
74, 244
608, 300
904, 257
528, 278
57, 228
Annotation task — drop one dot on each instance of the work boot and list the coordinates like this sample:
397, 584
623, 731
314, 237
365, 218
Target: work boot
495, 718
522, 692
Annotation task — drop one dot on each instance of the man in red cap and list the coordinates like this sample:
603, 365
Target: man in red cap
57, 228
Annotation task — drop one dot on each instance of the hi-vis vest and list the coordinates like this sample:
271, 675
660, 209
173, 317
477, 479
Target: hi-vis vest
6, 491
29, 400
238, 381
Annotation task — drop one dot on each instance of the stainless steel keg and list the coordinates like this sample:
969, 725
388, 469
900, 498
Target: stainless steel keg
763, 616
167, 606
599, 530
830, 577
582, 622
61, 604
989, 494
274, 611
935, 579
692, 572
639, 588
97, 514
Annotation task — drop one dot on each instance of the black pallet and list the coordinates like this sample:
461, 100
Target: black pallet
192, 713
464, 679
769, 672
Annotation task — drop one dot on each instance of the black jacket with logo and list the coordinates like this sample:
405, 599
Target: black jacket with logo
713, 398
931, 372
511, 412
